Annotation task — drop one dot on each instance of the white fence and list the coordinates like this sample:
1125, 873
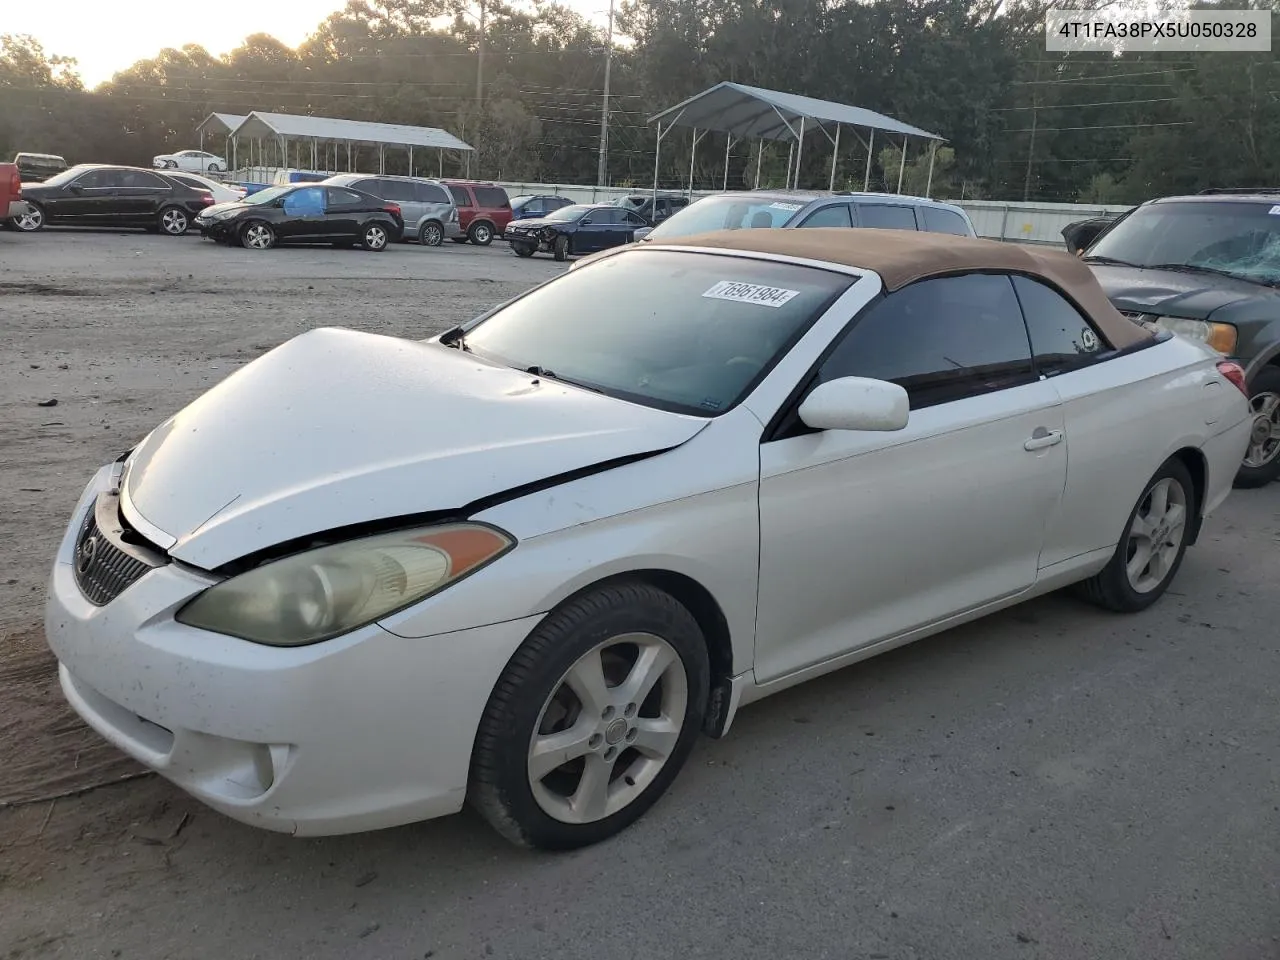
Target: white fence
994, 219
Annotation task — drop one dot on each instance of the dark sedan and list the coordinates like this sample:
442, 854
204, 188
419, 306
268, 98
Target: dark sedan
95, 195
304, 213
570, 231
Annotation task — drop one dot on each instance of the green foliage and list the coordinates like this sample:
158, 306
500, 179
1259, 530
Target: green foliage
1017, 119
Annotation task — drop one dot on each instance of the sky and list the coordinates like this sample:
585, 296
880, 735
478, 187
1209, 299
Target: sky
138, 29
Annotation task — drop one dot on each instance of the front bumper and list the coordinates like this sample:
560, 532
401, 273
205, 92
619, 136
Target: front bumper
224, 229
366, 731
539, 243
18, 208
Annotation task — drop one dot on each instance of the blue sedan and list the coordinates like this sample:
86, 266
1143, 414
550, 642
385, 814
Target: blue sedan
574, 230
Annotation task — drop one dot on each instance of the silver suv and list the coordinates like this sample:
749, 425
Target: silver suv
427, 207
806, 208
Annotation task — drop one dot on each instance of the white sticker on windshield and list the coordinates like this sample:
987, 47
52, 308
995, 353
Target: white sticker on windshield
1274, 210
793, 207
750, 293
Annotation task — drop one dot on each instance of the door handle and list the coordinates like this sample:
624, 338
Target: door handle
1041, 438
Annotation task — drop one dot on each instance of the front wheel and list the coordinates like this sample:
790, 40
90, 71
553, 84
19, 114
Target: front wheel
257, 235
374, 237
1261, 462
561, 249
431, 234
174, 221
522, 249
1153, 544
592, 718
481, 234
32, 220
214, 168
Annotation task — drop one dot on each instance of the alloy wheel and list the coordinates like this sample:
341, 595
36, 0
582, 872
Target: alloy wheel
482, 234
432, 235
375, 238
258, 236
608, 728
33, 219
1264, 440
174, 222
1156, 535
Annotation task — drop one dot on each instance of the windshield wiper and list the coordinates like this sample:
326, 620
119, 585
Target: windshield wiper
1197, 268
541, 371
1112, 261
456, 338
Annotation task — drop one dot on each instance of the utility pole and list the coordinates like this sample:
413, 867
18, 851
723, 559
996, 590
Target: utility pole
1031, 148
602, 171
480, 60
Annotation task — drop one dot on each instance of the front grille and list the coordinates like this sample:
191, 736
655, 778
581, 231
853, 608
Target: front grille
103, 570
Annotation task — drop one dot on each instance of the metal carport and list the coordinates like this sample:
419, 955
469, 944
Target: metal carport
225, 124
284, 129
743, 112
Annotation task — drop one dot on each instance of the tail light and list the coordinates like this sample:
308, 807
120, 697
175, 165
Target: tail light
393, 209
15, 183
1235, 373
205, 199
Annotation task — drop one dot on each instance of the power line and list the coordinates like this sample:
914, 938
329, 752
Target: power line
1069, 106
1112, 126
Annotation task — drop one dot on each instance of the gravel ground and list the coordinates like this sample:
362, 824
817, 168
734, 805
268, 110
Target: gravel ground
1052, 782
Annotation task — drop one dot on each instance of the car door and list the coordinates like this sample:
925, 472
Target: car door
304, 216
593, 230
140, 196
631, 222
401, 192
869, 536
84, 200
344, 214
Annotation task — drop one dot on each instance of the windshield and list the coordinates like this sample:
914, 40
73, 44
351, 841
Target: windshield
1240, 239
268, 194
568, 213
689, 332
726, 213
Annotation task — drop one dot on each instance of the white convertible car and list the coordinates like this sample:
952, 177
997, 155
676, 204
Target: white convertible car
525, 563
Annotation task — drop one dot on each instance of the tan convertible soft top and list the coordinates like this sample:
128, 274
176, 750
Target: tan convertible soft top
901, 257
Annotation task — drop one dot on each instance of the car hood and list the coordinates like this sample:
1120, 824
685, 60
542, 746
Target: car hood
1173, 293
224, 207
335, 428
540, 222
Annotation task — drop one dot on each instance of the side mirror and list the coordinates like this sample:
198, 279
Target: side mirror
856, 403
585, 222
75, 188
642, 232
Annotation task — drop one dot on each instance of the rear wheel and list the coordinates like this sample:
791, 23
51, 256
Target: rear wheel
1261, 462
1152, 546
256, 235
32, 220
592, 718
431, 234
374, 237
214, 168
174, 221
481, 234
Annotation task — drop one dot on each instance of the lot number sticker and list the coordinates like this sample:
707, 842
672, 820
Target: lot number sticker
750, 293
793, 207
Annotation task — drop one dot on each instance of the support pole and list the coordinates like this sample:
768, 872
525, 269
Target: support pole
411, 160
902, 164
759, 157
795, 184
657, 154
382, 158
728, 145
693, 155
835, 152
441, 167
871, 149
933, 152
791, 153
602, 168
348, 156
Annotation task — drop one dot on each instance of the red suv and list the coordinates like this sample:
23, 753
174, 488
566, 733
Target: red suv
484, 210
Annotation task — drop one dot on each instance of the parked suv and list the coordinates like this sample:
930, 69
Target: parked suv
426, 205
804, 208
95, 195
34, 167
655, 210
532, 207
484, 210
1208, 267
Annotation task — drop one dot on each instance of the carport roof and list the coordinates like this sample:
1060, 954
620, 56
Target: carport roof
294, 127
756, 113
226, 121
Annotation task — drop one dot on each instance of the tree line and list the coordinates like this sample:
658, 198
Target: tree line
1020, 122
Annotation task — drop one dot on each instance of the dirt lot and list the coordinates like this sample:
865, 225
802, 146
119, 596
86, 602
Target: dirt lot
1052, 782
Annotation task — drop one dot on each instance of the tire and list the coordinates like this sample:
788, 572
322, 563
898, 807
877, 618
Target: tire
620, 629
171, 164
522, 249
32, 220
431, 234
214, 168
374, 236
256, 235
1117, 587
174, 221
1261, 463
481, 234
561, 249
458, 239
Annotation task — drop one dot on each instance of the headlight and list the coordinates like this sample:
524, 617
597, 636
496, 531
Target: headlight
1218, 336
329, 591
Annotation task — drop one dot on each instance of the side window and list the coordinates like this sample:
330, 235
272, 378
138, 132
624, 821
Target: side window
140, 179
338, 197
886, 216
938, 220
399, 190
832, 215
99, 178
307, 202
430, 193
1062, 339
534, 208
461, 197
943, 339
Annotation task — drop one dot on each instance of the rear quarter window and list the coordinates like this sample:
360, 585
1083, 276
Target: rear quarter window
491, 197
886, 216
938, 220
430, 193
